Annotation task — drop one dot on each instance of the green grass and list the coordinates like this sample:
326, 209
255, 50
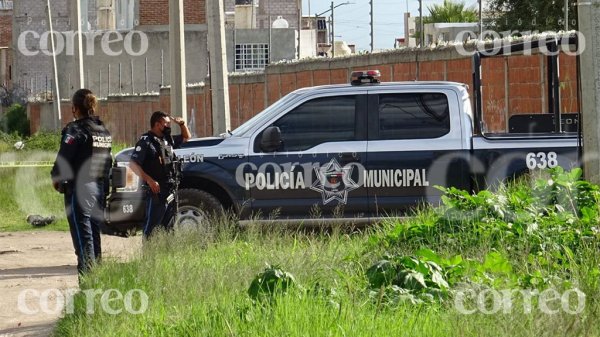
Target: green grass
197, 281
197, 286
28, 190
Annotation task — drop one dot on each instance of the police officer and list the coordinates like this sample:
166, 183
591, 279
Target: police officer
152, 160
80, 172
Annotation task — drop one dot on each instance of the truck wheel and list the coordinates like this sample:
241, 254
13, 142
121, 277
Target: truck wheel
195, 208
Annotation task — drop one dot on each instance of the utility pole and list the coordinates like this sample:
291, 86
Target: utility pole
76, 7
56, 93
299, 25
219, 83
371, 3
177, 55
481, 17
332, 32
589, 73
566, 15
421, 25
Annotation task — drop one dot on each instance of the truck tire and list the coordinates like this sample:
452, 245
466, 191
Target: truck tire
196, 208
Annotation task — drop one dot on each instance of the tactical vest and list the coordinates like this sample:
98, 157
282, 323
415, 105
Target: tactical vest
101, 141
165, 154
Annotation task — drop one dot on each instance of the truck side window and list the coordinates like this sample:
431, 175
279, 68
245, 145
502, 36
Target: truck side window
321, 120
413, 116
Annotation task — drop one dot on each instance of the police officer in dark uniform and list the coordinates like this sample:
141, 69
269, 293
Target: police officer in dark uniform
153, 161
80, 172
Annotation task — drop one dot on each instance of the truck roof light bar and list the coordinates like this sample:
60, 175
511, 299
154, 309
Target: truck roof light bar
365, 76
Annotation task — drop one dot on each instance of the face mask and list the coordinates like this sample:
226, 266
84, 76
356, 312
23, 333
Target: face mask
166, 131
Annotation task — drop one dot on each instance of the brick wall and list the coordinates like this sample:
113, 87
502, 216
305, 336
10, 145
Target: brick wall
511, 85
31, 71
156, 12
5, 28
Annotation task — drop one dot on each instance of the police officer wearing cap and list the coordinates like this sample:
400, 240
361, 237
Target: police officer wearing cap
152, 160
80, 172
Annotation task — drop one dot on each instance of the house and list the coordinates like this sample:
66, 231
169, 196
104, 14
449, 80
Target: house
435, 32
126, 42
125, 45
256, 35
6, 12
450, 32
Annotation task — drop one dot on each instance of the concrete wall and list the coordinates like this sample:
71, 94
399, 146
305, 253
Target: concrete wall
34, 72
444, 32
282, 42
31, 71
150, 69
512, 85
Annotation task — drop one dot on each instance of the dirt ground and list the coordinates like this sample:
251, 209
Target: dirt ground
36, 263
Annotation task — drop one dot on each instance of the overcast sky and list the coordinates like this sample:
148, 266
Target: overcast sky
352, 21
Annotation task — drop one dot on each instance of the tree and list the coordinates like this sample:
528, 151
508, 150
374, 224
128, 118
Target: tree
451, 11
530, 15
12, 95
15, 120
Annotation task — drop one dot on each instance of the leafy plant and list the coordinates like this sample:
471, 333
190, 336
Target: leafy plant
551, 210
15, 120
270, 282
422, 277
43, 141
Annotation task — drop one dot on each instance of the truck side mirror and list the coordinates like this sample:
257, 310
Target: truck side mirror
118, 177
271, 139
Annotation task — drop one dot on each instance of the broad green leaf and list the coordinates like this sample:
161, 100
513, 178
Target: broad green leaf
438, 279
455, 260
381, 273
413, 280
497, 263
429, 255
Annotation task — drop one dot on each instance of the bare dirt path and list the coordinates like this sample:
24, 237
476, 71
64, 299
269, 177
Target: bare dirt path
36, 262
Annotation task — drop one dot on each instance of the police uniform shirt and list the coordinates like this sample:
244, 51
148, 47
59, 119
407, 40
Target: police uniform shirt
85, 141
147, 154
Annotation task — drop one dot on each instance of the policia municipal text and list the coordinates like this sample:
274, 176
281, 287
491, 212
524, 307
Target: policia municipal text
153, 161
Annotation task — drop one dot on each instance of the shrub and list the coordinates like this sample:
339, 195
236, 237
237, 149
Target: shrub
15, 120
44, 141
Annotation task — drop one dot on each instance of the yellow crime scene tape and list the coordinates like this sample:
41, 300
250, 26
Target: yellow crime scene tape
21, 163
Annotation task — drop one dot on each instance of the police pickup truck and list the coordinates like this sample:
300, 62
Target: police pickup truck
356, 152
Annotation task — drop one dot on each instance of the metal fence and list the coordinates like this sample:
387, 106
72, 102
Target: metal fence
130, 78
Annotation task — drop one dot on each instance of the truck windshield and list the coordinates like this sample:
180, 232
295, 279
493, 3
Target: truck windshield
249, 126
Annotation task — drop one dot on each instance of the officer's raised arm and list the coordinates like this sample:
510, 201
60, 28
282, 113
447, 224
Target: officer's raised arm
185, 132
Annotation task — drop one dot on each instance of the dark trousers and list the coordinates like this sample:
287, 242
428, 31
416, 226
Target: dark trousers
84, 208
159, 212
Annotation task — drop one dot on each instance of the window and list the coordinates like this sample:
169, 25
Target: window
321, 120
251, 56
413, 116
124, 14
6, 5
321, 24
